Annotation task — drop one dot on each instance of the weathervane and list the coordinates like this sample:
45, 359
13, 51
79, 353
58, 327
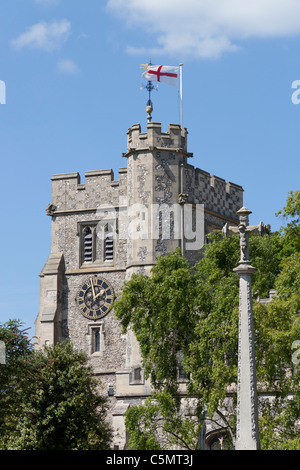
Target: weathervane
149, 87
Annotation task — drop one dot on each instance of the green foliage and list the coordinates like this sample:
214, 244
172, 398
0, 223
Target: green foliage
160, 424
189, 315
54, 403
279, 328
142, 422
16, 341
18, 348
161, 311
278, 424
292, 208
291, 214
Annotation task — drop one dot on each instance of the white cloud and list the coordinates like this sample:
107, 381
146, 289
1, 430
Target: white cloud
67, 66
45, 36
206, 28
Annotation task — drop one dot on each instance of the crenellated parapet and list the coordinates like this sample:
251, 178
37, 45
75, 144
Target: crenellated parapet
218, 195
99, 189
154, 138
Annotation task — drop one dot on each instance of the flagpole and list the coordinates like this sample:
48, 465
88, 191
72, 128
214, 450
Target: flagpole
181, 101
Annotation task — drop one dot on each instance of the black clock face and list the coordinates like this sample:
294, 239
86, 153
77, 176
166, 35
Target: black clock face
95, 298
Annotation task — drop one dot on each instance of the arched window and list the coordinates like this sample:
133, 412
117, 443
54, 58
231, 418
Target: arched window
96, 243
218, 440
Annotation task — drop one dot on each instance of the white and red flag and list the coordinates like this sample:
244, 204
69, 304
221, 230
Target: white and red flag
162, 73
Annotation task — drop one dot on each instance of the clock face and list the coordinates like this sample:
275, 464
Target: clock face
95, 298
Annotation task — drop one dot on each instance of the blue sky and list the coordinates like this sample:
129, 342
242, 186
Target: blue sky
72, 75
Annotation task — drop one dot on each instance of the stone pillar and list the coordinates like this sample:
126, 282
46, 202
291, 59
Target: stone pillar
247, 435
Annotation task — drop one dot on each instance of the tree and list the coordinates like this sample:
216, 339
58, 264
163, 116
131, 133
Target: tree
16, 341
18, 348
291, 214
278, 365
56, 404
188, 315
162, 312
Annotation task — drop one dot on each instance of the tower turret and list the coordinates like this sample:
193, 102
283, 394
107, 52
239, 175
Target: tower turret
155, 161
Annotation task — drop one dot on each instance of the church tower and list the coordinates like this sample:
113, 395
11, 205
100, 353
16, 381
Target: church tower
103, 230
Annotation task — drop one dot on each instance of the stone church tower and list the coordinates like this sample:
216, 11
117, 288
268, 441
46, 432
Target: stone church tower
104, 230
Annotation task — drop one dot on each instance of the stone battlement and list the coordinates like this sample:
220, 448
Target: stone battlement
175, 138
99, 188
218, 195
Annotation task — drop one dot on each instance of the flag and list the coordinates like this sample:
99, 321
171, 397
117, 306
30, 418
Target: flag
162, 73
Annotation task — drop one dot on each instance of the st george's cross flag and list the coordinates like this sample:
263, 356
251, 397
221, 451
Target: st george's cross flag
162, 73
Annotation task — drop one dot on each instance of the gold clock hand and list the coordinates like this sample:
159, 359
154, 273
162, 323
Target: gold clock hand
93, 290
102, 292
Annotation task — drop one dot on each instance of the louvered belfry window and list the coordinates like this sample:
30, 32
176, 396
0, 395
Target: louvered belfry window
87, 244
97, 245
109, 246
